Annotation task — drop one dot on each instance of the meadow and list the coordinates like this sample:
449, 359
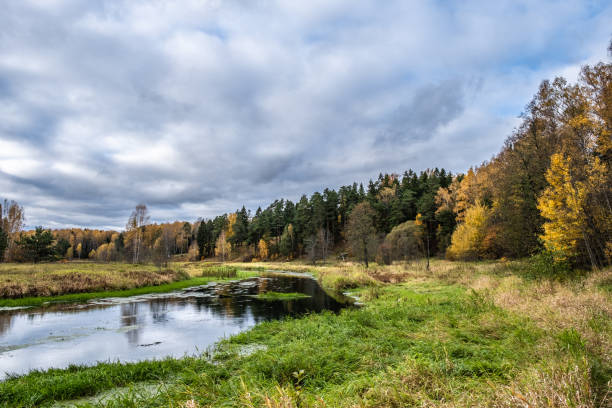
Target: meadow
40, 284
458, 335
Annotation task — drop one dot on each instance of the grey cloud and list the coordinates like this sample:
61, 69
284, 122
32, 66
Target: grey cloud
197, 108
432, 106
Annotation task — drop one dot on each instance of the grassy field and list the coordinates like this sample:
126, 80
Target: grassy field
38, 284
22, 280
459, 335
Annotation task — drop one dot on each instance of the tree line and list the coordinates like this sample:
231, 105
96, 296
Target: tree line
313, 226
547, 190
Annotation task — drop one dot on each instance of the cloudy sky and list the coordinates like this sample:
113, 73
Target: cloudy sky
196, 107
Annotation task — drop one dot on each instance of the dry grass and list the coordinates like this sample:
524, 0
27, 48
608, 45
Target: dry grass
23, 280
583, 306
579, 309
336, 276
552, 387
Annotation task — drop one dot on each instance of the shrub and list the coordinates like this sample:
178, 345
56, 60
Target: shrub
547, 265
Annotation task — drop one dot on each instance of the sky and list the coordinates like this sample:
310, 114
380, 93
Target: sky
197, 107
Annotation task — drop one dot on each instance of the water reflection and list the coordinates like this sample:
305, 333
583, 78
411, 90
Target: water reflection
147, 327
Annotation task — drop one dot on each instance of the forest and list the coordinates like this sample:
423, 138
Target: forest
546, 192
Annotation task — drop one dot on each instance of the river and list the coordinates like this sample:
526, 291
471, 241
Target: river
175, 324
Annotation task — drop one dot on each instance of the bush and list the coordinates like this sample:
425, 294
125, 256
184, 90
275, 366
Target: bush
384, 255
220, 271
547, 265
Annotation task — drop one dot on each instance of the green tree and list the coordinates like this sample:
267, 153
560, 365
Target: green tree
61, 247
403, 241
203, 238
38, 246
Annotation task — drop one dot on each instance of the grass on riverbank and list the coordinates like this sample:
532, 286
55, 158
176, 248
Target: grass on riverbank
458, 335
273, 296
84, 297
29, 280
122, 276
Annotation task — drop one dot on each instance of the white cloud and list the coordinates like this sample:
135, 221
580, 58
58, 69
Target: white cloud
198, 107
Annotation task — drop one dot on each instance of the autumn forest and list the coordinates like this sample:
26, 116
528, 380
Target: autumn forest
547, 191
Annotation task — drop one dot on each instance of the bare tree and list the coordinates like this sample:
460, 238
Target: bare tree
319, 244
12, 218
325, 238
223, 247
164, 247
134, 229
361, 234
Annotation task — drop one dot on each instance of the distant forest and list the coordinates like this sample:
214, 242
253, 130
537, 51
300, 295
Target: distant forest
547, 191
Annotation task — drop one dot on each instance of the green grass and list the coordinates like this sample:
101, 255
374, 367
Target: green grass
220, 271
83, 297
412, 344
273, 296
42, 387
431, 341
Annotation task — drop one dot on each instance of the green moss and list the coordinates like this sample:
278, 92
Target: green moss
272, 296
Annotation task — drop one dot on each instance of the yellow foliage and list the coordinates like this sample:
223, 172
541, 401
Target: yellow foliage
467, 194
263, 249
564, 201
561, 204
468, 240
386, 194
231, 221
223, 247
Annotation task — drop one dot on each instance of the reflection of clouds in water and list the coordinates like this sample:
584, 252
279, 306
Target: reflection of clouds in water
175, 325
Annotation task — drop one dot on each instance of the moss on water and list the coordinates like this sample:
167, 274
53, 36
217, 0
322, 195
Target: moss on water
274, 296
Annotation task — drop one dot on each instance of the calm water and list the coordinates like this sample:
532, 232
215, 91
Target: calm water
147, 327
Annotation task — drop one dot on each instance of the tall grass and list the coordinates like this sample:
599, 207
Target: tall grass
220, 271
83, 297
28, 280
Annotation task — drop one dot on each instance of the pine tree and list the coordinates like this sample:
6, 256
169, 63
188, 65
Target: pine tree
38, 246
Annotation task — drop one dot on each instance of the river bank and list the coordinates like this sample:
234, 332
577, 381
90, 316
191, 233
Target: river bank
457, 335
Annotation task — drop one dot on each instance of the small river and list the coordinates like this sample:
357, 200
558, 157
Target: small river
148, 327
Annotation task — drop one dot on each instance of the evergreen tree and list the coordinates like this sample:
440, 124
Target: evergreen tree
38, 246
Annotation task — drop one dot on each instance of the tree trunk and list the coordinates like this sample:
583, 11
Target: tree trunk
427, 232
365, 253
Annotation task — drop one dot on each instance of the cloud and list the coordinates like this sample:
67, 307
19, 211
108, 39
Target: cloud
199, 107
